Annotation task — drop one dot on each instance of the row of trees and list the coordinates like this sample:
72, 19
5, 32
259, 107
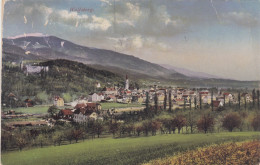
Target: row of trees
255, 101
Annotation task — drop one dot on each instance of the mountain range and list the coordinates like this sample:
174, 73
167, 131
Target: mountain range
51, 48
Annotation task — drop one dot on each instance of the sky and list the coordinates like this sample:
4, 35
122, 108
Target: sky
219, 37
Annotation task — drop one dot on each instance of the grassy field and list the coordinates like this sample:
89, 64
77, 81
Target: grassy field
31, 110
119, 105
120, 151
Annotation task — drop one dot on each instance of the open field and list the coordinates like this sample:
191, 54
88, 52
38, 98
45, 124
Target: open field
121, 151
31, 110
106, 106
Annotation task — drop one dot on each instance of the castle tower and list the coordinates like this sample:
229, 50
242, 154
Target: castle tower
126, 83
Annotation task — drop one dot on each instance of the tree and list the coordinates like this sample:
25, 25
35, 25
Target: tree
191, 121
129, 129
212, 100
224, 101
155, 103
138, 129
190, 103
180, 122
69, 135
67, 97
57, 138
245, 101
42, 97
170, 100
113, 128
205, 123
147, 103
253, 97
239, 100
256, 123
231, 121
52, 110
154, 126
258, 100
146, 127
165, 100
20, 141
41, 139
77, 134
200, 101
99, 127
195, 102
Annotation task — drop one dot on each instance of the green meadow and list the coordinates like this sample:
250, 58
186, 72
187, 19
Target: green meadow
31, 110
106, 106
131, 150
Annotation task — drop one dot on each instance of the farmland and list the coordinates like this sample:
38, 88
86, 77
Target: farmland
121, 151
235, 153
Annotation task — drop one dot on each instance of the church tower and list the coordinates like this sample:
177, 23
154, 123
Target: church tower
126, 83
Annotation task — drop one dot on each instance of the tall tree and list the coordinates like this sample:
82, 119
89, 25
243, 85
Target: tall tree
190, 102
212, 100
170, 100
155, 103
165, 100
253, 97
239, 100
258, 102
224, 100
200, 102
245, 101
147, 103
195, 102
184, 101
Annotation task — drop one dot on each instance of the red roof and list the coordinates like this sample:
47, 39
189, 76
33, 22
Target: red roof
81, 105
179, 99
204, 93
226, 94
66, 112
92, 104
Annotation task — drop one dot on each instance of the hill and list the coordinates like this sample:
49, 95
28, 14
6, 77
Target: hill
122, 151
63, 77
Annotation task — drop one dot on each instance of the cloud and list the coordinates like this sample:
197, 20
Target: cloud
241, 19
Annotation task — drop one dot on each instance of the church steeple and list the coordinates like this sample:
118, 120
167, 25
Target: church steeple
126, 83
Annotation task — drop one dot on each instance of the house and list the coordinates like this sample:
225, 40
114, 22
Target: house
28, 103
94, 97
140, 100
97, 84
65, 114
80, 118
58, 101
109, 91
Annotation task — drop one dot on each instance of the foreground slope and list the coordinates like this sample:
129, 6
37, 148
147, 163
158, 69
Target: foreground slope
120, 151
